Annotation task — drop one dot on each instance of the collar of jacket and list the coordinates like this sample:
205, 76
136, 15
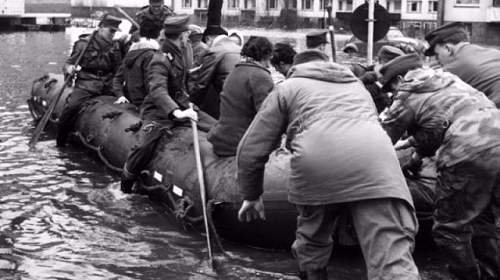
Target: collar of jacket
251, 63
423, 80
170, 48
144, 43
324, 71
219, 39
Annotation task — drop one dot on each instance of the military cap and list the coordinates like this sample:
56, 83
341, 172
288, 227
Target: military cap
176, 24
308, 56
110, 21
316, 38
399, 66
388, 53
442, 33
155, 1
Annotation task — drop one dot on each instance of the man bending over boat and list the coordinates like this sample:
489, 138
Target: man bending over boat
98, 65
166, 102
332, 127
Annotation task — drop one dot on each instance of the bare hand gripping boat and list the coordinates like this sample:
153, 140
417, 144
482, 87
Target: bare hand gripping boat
113, 130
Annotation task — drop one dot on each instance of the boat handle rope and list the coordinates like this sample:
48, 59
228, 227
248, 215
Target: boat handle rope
98, 149
182, 207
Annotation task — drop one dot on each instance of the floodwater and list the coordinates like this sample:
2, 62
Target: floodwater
62, 215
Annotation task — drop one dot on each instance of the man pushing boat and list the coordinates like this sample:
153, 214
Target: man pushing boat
332, 131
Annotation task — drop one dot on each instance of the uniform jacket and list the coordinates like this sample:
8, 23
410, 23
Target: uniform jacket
166, 83
340, 153
444, 115
99, 63
130, 78
145, 12
219, 60
479, 67
244, 91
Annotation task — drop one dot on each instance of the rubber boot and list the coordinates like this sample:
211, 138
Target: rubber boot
314, 274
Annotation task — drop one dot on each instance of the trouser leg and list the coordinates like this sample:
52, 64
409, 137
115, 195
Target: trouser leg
140, 157
313, 241
464, 210
386, 230
69, 114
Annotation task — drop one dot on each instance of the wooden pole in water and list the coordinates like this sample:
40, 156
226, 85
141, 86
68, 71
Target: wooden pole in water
201, 180
371, 20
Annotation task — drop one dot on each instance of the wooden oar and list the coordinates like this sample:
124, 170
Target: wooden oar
201, 180
332, 34
43, 122
127, 16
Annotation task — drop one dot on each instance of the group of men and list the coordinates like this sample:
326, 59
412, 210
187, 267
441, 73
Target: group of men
343, 158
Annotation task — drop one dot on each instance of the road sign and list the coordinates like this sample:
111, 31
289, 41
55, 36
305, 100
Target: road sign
359, 22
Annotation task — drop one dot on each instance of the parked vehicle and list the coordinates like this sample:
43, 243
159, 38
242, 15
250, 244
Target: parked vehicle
394, 37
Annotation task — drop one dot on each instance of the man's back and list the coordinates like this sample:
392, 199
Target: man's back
479, 67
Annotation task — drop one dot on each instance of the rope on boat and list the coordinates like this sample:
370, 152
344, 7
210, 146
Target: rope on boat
98, 149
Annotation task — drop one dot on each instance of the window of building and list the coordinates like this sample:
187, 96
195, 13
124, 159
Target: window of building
249, 4
433, 6
345, 5
473, 3
202, 4
414, 6
394, 6
307, 4
233, 4
272, 4
186, 3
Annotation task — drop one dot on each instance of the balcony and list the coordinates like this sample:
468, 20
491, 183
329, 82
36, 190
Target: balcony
493, 14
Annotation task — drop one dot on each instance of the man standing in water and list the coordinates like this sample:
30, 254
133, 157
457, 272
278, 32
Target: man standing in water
98, 65
321, 101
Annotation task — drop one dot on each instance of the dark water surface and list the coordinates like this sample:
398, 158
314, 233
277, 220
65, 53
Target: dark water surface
62, 215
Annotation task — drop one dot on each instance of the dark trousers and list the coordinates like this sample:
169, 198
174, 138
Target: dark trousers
139, 159
467, 216
386, 230
70, 112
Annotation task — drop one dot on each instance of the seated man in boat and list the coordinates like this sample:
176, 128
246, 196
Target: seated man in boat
129, 84
447, 117
166, 101
244, 90
98, 66
331, 128
217, 62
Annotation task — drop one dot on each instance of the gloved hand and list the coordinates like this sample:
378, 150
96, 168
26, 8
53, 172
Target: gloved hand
121, 100
71, 69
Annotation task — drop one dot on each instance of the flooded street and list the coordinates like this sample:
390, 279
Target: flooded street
62, 215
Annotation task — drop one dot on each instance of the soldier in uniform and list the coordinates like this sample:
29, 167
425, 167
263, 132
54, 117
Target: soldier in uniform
167, 102
478, 66
156, 11
199, 48
447, 117
98, 65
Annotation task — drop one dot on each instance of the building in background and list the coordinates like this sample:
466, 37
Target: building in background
10, 13
46, 14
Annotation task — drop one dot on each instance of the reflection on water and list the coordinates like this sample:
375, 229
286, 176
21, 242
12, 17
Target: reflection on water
62, 215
